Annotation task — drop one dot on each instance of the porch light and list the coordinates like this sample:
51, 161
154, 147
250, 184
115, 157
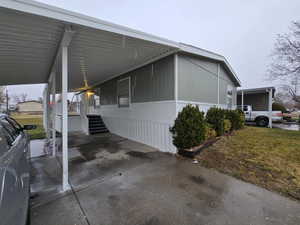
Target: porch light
90, 93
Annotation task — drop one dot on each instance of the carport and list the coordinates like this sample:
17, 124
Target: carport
69, 52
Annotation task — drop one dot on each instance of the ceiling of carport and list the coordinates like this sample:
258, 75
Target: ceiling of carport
29, 43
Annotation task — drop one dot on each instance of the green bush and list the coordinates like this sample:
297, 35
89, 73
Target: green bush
189, 128
236, 117
209, 132
215, 117
227, 126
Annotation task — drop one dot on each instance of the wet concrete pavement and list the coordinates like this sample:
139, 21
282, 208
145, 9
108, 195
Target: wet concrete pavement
287, 126
117, 181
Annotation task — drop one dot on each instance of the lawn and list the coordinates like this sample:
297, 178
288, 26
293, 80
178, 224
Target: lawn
266, 157
38, 133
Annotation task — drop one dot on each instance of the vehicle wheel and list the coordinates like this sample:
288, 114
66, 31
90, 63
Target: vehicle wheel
262, 122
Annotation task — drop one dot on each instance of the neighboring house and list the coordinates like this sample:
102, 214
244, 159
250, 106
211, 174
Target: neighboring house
258, 98
143, 104
33, 107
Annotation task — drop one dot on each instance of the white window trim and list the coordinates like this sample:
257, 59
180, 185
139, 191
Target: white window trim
129, 97
229, 87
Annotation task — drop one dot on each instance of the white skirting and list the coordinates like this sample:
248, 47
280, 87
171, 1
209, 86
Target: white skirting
148, 123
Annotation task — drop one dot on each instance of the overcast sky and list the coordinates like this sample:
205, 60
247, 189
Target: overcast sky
244, 31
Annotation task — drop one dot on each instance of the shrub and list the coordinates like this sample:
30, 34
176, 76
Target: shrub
236, 117
227, 126
209, 132
215, 117
189, 128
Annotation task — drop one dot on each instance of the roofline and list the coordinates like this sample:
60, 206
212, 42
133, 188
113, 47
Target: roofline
210, 55
256, 90
29, 101
69, 17
45, 10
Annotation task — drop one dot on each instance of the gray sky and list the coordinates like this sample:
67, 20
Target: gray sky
244, 31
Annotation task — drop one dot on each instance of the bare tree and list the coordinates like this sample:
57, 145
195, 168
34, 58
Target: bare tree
286, 61
23, 97
16, 98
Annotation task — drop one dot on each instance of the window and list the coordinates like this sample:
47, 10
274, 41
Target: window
15, 124
229, 96
5, 142
124, 92
9, 131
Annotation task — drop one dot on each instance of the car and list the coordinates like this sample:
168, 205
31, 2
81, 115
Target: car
14, 172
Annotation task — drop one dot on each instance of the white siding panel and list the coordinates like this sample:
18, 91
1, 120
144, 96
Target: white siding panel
202, 105
147, 123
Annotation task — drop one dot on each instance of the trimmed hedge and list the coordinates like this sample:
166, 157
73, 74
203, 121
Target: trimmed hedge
227, 126
215, 117
236, 117
192, 128
189, 128
209, 132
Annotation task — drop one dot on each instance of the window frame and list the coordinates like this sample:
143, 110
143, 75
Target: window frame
229, 95
14, 124
129, 92
10, 135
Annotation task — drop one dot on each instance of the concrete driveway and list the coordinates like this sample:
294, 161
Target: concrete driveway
117, 181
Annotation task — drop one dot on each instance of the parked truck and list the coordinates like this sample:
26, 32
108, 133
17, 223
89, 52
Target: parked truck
261, 118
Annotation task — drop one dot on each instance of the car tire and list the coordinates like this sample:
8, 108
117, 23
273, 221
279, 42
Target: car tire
262, 122
28, 220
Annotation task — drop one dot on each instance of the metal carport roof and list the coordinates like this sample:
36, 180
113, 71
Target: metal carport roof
31, 33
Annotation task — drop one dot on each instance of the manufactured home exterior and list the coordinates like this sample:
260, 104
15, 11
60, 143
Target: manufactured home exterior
34, 107
142, 104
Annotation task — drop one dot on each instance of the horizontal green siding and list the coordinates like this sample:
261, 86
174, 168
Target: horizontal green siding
198, 80
153, 82
224, 82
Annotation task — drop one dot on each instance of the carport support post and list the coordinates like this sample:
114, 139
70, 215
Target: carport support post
65, 178
53, 114
243, 101
270, 106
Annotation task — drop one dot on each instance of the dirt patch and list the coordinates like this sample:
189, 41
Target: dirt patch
266, 157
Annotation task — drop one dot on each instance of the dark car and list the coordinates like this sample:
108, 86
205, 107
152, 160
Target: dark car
14, 172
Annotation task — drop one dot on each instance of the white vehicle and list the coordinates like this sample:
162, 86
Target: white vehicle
261, 118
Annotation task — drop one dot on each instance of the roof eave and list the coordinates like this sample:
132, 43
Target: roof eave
41, 9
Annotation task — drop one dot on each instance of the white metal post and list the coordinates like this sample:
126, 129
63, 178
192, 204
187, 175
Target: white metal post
46, 111
242, 100
270, 106
65, 183
218, 91
53, 114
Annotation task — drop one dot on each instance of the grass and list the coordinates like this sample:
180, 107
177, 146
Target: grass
39, 132
266, 157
